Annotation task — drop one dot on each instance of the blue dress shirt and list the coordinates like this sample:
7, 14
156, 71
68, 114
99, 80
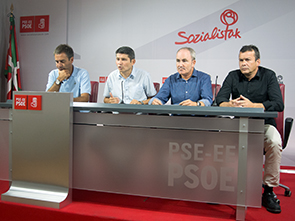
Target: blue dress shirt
197, 88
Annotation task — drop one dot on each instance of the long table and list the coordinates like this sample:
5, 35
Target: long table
202, 154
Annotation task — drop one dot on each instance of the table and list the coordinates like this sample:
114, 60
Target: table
203, 154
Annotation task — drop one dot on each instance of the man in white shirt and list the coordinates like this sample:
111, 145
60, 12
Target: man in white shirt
128, 84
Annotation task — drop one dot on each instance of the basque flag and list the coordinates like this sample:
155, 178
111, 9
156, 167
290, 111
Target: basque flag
12, 62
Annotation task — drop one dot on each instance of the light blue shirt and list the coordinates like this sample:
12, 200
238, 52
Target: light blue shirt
138, 86
78, 83
197, 88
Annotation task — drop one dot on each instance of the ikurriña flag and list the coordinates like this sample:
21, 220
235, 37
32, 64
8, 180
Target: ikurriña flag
12, 72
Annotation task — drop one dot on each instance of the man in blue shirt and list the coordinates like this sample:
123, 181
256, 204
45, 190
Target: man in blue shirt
127, 84
187, 87
67, 77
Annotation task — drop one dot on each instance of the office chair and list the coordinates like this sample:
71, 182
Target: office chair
94, 91
284, 127
157, 86
215, 89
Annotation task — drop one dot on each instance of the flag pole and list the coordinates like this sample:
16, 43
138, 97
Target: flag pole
10, 83
12, 71
11, 10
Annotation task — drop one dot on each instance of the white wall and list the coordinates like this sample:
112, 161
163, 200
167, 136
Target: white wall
36, 49
96, 28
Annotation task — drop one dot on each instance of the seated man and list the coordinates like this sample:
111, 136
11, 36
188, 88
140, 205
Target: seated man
67, 77
187, 87
128, 84
257, 87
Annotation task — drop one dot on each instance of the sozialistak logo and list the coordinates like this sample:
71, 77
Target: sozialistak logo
228, 18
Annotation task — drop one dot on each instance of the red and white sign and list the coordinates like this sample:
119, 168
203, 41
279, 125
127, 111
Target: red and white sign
163, 79
34, 102
39, 23
20, 102
228, 18
102, 79
42, 23
27, 102
27, 24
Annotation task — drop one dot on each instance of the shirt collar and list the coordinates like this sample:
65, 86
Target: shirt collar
195, 74
131, 76
74, 71
257, 75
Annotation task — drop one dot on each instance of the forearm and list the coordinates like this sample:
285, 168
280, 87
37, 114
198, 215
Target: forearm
233, 103
205, 102
54, 87
83, 98
225, 104
258, 105
145, 102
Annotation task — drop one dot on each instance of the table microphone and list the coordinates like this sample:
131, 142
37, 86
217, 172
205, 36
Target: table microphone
122, 102
215, 90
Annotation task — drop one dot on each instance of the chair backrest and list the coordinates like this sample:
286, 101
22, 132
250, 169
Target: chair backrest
157, 86
280, 119
217, 87
94, 91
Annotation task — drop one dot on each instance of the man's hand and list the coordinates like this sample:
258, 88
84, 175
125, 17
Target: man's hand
135, 102
156, 102
242, 102
190, 103
113, 100
63, 75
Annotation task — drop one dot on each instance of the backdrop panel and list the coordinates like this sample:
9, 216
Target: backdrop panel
156, 29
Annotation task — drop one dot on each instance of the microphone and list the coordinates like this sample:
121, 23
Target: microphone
215, 92
122, 102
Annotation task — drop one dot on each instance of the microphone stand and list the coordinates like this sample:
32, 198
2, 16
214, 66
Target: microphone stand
122, 102
215, 93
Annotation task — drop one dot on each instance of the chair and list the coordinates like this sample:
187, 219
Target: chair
94, 91
157, 86
284, 127
215, 90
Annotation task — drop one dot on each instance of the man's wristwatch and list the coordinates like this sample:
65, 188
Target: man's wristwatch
58, 82
199, 103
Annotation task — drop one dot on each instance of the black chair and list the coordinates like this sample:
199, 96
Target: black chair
284, 127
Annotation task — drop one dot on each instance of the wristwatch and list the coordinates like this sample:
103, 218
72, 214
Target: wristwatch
58, 82
199, 103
